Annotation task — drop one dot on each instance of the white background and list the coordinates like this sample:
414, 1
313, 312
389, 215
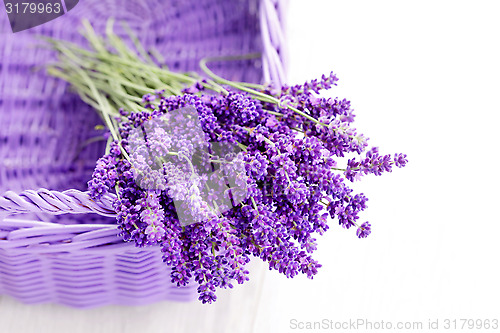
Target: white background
424, 79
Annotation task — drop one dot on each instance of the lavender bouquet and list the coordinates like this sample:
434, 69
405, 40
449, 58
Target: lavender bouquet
214, 171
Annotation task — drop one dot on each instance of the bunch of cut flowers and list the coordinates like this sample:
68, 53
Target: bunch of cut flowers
216, 172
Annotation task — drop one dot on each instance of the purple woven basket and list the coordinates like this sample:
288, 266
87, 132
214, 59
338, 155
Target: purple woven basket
56, 244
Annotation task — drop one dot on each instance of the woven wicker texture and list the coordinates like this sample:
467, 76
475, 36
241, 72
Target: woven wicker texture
58, 245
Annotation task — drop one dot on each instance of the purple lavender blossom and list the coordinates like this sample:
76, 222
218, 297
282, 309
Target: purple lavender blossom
373, 163
364, 230
216, 179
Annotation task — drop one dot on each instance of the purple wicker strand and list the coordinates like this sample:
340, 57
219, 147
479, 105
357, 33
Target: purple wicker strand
273, 41
54, 202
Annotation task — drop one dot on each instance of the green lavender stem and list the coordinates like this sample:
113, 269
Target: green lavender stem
112, 76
